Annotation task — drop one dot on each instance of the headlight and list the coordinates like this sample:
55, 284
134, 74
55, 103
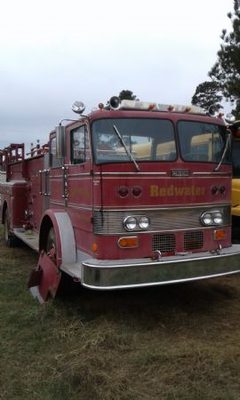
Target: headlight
212, 218
136, 223
217, 218
130, 223
207, 219
144, 222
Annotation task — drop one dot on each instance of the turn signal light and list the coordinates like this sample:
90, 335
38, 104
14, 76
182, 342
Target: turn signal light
128, 242
219, 234
94, 247
151, 106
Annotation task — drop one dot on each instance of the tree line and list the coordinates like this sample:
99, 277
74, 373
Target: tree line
224, 82
224, 76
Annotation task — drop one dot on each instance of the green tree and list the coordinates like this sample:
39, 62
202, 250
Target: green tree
127, 95
225, 73
207, 94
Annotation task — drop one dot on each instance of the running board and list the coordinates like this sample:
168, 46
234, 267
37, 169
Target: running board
30, 237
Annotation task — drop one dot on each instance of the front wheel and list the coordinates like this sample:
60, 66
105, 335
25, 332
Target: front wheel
67, 285
51, 244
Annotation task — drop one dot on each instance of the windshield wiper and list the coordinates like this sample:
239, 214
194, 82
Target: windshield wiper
125, 147
223, 153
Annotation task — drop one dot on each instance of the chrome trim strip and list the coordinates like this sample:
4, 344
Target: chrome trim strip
57, 203
166, 208
128, 173
121, 274
76, 207
80, 175
163, 232
212, 173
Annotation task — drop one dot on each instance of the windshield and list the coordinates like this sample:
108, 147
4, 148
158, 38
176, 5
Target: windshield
202, 142
236, 158
146, 139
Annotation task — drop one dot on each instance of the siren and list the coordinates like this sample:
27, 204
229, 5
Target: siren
115, 103
213, 110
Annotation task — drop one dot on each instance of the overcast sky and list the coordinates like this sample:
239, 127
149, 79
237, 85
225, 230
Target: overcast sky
53, 53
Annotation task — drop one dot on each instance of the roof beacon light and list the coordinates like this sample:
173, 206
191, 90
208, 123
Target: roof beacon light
115, 103
230, 118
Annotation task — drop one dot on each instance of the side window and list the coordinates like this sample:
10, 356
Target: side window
54, 161
79, 145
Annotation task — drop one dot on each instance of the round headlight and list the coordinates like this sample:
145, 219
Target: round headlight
130, 223
217, 218
144, 222
207, 219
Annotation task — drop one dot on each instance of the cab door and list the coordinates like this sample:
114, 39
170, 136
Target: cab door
79, 186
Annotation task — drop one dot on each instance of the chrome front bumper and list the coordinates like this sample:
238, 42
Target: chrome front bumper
120, 274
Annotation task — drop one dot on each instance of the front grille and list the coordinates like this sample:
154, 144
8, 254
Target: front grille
110, 222
165, 243
193, 240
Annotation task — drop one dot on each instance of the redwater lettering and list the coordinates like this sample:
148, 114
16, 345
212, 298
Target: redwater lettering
156, 191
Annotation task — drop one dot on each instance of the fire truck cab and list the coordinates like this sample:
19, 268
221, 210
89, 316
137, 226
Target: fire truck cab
133, 194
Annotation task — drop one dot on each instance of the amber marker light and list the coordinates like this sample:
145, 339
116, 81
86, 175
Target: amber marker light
101, 106
151, 107
94, 247
128, 242
219, 234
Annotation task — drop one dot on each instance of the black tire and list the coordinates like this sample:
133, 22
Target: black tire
51, 240
10, 239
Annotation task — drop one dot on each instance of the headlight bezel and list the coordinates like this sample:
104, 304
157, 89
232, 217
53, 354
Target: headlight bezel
212, 218
142, 223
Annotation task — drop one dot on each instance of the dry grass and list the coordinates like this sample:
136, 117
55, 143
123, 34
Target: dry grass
173, 342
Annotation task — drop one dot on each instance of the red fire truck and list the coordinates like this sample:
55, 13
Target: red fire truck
133, 194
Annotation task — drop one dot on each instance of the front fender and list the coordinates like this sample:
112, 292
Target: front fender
65, 238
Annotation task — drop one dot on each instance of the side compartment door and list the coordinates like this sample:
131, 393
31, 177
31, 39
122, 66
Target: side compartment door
44, 183
56, 176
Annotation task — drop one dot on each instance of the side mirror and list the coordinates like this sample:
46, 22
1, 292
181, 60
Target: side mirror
61, 142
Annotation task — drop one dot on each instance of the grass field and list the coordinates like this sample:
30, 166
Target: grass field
172, 342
